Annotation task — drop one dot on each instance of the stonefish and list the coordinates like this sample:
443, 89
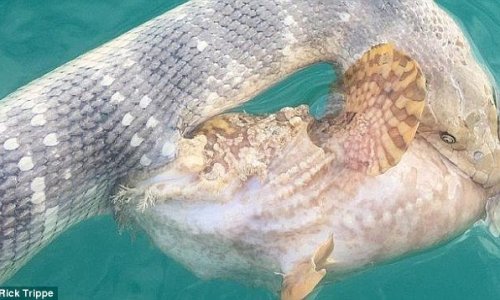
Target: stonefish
131, 121
252, 197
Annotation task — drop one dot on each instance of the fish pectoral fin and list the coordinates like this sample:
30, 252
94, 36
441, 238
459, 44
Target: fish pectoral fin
385, 92
306, 275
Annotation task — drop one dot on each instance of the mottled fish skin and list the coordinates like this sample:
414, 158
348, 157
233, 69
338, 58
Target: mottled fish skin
250, 198
67, 138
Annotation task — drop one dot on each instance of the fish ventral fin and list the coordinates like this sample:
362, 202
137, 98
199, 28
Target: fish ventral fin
385, 92
305, 276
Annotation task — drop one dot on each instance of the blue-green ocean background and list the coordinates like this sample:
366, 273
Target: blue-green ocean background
93, 261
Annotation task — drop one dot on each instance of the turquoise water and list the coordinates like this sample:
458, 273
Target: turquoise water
93, 261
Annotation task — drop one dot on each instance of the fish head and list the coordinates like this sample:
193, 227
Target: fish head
461, 122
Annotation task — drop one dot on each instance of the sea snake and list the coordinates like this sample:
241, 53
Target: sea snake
69, 138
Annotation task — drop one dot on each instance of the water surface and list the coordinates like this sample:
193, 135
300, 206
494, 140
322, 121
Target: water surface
93, 261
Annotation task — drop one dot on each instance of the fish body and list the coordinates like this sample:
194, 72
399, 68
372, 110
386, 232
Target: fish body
256, 237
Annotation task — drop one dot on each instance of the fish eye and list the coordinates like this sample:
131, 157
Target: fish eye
447, 137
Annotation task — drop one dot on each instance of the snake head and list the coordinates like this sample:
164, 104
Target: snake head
461, 122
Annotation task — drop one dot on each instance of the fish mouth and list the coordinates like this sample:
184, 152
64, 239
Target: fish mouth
484, 171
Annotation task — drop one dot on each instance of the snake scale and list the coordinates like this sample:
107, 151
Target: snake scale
69, 138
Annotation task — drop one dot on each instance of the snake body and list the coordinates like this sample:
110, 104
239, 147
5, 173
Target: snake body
69, 138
